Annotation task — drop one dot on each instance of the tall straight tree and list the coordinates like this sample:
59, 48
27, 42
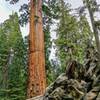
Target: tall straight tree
91, 10
37, 79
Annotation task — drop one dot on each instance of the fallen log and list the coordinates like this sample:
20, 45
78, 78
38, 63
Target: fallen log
36, 98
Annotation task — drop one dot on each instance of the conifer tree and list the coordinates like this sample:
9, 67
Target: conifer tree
12, 60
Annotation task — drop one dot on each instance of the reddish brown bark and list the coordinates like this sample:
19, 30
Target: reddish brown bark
36, 80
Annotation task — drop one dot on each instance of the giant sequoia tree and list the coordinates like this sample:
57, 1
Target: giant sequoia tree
37, 80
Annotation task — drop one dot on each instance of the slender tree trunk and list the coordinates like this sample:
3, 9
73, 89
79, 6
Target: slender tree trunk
37, 79
5, 75
95, 30
63, 12
6, 70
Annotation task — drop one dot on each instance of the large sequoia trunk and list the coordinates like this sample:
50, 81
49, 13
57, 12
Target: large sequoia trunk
36, 80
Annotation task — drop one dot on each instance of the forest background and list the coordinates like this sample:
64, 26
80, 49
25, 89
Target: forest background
68, 32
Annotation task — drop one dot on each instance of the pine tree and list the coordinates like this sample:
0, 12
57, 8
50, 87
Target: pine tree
72, 36
13, 65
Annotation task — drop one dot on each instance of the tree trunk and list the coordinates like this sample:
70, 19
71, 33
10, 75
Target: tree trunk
8, 61
37, 78
95, 30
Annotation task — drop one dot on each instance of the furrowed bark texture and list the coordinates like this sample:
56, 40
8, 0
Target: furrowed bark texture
95, 30
37, 79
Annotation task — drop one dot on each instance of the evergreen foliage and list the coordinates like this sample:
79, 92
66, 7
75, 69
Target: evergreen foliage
13, 63
73, 34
